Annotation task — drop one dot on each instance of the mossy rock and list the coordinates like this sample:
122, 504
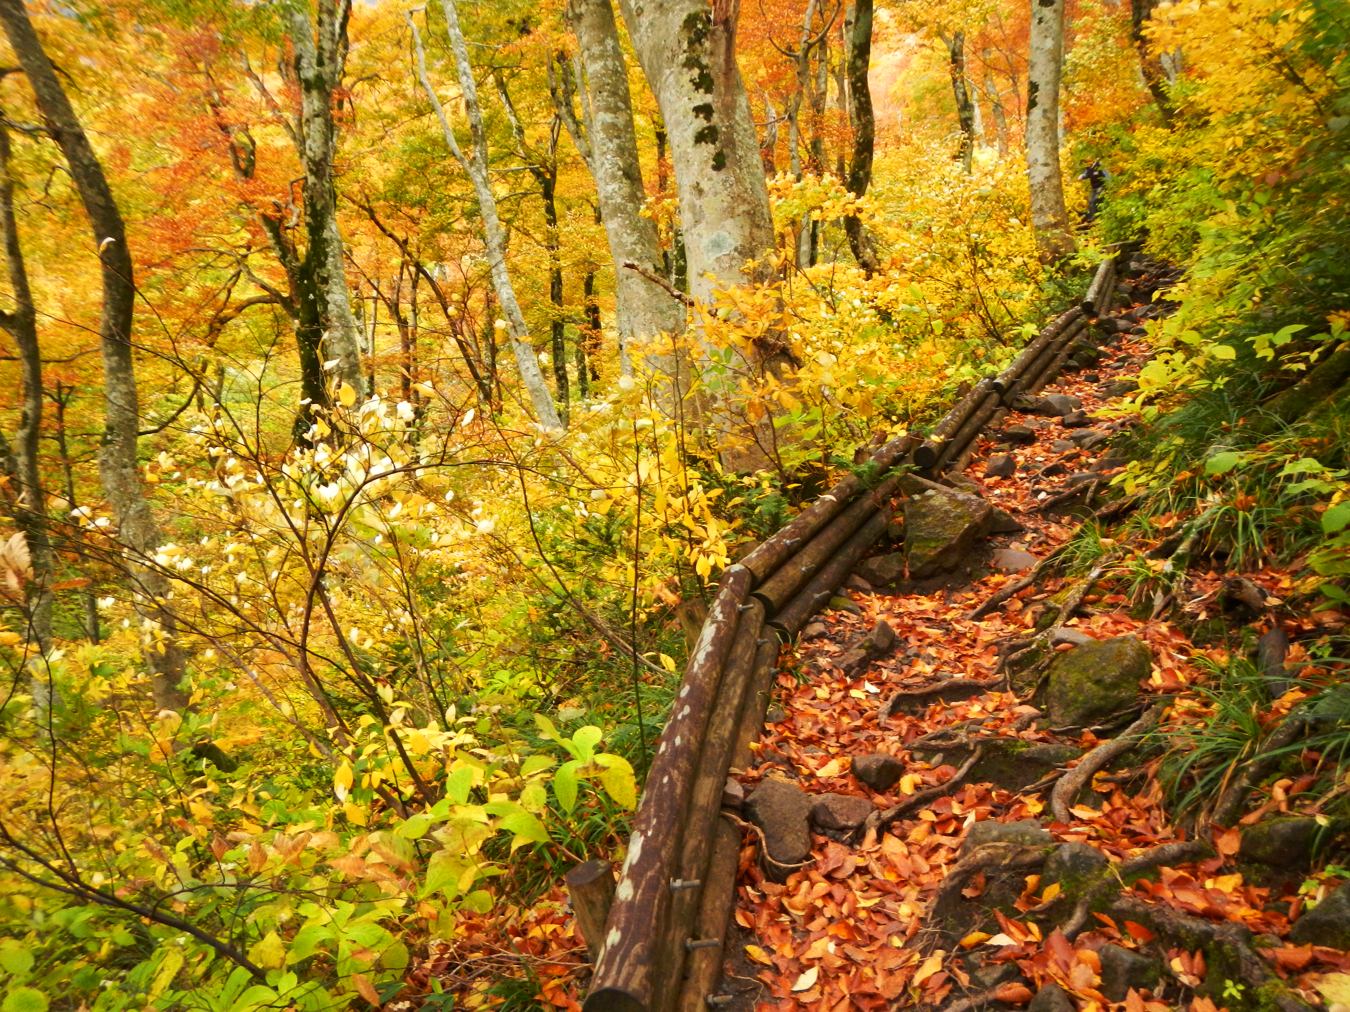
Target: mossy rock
1095, 681
941, 527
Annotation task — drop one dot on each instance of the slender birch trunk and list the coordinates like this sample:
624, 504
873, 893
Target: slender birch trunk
863, 120
475, 165
137, 528
643, 308
30, 506
965, 107
320, 55
1044, 65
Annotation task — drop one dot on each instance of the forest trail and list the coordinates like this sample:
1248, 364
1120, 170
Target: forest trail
891, 743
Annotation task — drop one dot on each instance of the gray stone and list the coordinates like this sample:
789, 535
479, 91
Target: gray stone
1050, 405
1095, 681
1052, 998
782, 811
841, 602
940, 530
1072, 864
882, 570
1013, 560
775, 715
1123, 969
963, 483
877, 771
1287, 841
1120, 387
1090, 439
1328, 923
1064, 634
1001, 465
1019, 435
1003, 522
1063, 446
1026, 833
877, 643
840, 812
1076, 420
986, 978
815, 630
856, 582
1014, 764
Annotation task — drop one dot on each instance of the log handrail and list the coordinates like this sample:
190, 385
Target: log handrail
664, 935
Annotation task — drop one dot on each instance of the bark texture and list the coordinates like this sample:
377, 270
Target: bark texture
1150, 64
30, 504
475, 165
320, 55
687, 49
965, 102
643, 308
137, 528
862, 118
1044, 66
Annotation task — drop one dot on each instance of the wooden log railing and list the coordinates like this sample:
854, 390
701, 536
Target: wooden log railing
662, 941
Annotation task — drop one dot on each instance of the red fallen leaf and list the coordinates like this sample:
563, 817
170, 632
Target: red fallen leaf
1292, 957
1227, 841
976, 886
1013, 994
1139, 933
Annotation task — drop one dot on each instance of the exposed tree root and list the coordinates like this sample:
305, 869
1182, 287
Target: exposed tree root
1073, 782
1096, 894
1020, 649
878, 821
1234, 796
1230, 955
1015, 587
959, 688
1087, 489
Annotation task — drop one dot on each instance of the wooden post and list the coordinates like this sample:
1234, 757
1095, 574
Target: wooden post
590, 887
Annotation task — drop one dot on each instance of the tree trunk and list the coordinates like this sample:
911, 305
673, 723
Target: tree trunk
965, 106
687, 51
475, 165
1044, 65
1150, 64
863, 121
30, 506
61, 398
137, 528
319, 63
643, 308
995, 107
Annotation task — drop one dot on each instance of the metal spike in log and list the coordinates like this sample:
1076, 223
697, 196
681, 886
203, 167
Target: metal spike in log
704, 968
778, 589
822, 586
767, 557
719, 739
626, 975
